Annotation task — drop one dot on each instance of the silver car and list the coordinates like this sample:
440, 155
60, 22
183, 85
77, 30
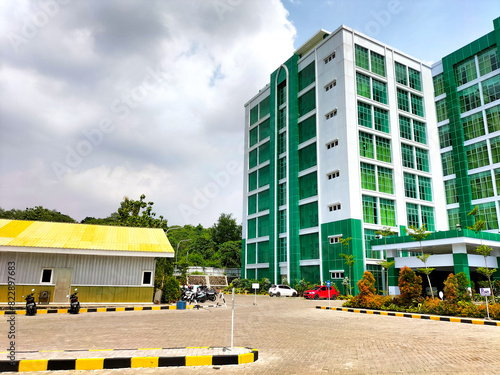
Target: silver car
282, 290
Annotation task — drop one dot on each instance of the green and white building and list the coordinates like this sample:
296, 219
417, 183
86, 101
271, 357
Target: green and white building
351, 136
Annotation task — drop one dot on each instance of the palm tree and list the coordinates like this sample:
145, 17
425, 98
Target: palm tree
419, 234
385, 232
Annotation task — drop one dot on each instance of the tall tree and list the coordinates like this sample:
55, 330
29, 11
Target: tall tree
139, 213
420, 234
37, 213
348, 258
226, 229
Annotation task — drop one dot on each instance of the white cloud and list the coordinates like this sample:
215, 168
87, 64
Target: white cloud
168, 78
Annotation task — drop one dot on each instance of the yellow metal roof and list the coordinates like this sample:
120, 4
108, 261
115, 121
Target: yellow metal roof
82, 236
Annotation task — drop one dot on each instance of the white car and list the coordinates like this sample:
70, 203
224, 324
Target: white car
282, 290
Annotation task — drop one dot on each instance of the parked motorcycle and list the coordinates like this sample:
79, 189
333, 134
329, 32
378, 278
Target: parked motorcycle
211, 293
74, 304
30, 304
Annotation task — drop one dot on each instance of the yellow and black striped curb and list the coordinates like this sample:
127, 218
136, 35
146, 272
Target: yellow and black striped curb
415, 316
97, 309
127, 362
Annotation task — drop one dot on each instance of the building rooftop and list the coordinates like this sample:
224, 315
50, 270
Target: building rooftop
39, 234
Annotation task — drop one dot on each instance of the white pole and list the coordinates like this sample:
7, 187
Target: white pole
255, 299
328, 297
487, 310
232, 323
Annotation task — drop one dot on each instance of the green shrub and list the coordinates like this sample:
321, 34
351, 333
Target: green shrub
410, 286
171, 290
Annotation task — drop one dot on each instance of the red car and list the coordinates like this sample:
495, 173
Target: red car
320, 291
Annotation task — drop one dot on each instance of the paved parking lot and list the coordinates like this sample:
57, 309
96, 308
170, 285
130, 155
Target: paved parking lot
291, 335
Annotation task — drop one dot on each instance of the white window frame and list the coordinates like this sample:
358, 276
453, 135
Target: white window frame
337, 274
332, 144
331, 85
51, 276
334, 207
333, 174
142, 280
329, 58
334, 239
331, 114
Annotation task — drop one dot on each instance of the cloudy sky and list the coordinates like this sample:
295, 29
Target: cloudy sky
103, 99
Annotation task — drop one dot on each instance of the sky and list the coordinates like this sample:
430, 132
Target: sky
101, 99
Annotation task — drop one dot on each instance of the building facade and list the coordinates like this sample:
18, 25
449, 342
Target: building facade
348, 138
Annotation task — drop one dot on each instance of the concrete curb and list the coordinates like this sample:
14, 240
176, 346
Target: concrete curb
415, 316
127, 362
97, 309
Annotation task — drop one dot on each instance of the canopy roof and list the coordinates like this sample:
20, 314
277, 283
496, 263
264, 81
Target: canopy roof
40, 234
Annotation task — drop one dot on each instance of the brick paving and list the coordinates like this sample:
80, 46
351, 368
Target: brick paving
291, 335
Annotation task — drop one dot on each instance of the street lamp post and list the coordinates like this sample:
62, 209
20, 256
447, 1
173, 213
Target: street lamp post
172, 228
177, 252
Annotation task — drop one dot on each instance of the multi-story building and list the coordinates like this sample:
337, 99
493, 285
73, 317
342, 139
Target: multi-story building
344, 141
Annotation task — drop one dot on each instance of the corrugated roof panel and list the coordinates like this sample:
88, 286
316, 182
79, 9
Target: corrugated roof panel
82, 236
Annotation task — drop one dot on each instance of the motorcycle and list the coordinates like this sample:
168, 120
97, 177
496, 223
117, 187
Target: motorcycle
211, 293
30, 304
187, 294
74, 307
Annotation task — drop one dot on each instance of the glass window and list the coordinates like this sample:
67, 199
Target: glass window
309, 246
252, 159
263, 252
282, 194
282, 168
308, 215
488, 213
428, 218
264, 176
405, 127
46, 276
407, 155
495, 149
281, 118
369, 236
424, 188
363, 85
366, 145
401, 76
469, 98
378, 63
263, 226
481, 185
365, 115
252, 228
412, 216
263, 200
410, 185
387, 212
438, 84
379, 91
419, 132
447, 163
254, 115
465, 71
307, 129
282, 249
264, 130
493, 119
307, 102
264, 107
491, 89
497, 180
453, 218
252, 181
450, 189
282, 143
473, 126
381, 117
282, 92
361, 57
417, 105
252, 204
477, 155
403, 103
444, 136
441, 110
383, 149
369, 209
308, 186
488, 61
415, 82
368, 177
254, 136
307, 157
307, 76
422, 157
282, 221
264, 152
385, 184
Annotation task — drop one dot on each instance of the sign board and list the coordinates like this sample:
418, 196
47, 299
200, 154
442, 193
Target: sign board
328, 284
255, 286
485, 292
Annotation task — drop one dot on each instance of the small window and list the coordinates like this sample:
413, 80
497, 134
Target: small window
334, 207
331, 85
329, 115
333, 174
147, 277
329, 58
46, 276
334, 239
336, 274
332, 144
